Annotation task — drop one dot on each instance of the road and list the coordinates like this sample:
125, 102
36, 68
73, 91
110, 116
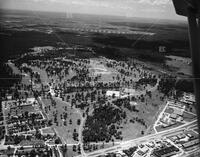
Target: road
137, 141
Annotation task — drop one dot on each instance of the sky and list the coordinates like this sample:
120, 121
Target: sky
162, 9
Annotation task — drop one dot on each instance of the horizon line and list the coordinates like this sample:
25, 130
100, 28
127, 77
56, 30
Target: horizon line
90, 14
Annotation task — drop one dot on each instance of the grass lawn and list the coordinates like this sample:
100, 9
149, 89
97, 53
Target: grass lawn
160, 128
64, 128
131, 131
43, 74
189, 117
66, 134
169, 110
48, 131
70, 152
148, 111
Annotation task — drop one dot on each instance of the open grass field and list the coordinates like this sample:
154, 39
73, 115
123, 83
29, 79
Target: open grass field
48, 131
181, 65
188, 117
160, 128
148, 111
70, 152
169, 110
97, 68
64, 128
43, 74
132, 130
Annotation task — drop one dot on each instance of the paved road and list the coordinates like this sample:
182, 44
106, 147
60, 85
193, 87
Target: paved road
126, 144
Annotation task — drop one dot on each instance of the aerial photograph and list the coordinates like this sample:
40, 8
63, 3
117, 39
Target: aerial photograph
97, 78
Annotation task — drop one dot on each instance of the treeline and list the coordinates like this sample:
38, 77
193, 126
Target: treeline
20, 42
117, 54
8, 79
99, 127
166, 85
143, 44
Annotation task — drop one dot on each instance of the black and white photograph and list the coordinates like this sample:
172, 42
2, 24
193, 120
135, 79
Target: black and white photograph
99, 78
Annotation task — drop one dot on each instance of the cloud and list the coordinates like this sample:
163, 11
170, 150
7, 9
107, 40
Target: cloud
154, 2
141, 8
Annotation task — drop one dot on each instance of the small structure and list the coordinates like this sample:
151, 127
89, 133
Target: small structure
9, 97
162, 49
178, 111
129, 91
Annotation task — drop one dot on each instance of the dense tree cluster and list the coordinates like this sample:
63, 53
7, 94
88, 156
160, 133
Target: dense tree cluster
146, 81
125, 102
8, 79
101, 125
185, 85
166, 84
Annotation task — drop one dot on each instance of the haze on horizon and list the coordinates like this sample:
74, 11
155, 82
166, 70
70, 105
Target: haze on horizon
161, 9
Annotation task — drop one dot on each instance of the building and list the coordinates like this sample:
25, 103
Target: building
188, 98
129, 91
113, 93
162, 49
178, 111
191, 143
173, 116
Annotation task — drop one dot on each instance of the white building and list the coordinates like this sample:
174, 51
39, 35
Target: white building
188, 98
113, 93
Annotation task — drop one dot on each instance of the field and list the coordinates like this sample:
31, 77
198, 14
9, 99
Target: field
180, 64
64, 128
70, 151
160, 128
48, 131
148, 111
188, 117
169, 110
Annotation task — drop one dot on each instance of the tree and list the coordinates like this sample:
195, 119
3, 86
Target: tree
70, 121
74, 148
78, 122
57, 141
8, 148
113, 142
33, 153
